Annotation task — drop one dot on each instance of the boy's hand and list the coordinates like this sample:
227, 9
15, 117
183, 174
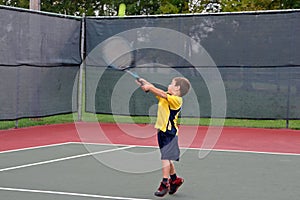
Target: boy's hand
145, 85
149, 87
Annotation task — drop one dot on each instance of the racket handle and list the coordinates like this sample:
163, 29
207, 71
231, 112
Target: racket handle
141, 82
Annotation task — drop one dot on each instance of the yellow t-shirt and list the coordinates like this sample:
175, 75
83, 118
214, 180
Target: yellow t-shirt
167, 113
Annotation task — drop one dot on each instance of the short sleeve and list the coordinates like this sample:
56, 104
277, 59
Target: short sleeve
175, 102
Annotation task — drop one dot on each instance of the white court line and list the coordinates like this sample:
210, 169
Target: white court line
63, 159
35, 147
250, 152
143, 146
68, 194
197, 149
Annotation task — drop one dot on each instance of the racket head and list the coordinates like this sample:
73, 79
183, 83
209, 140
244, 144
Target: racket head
117, 53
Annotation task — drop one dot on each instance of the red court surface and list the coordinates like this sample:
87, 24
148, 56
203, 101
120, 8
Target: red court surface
230, 138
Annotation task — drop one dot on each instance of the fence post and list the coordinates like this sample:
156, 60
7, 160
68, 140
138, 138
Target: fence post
17, 123
35, 5
288, 100
82, 66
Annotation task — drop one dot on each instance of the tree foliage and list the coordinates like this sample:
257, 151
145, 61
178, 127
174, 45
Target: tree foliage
15, 3
253, 5
152, 7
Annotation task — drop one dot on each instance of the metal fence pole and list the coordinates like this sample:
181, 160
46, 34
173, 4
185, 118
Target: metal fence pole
288, 101
35, 5
16, 123
82, 66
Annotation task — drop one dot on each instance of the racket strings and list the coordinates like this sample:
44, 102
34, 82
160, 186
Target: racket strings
117, 53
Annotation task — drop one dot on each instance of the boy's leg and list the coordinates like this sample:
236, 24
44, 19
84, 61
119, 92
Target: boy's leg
175, 182
166, 168
172, 168
164, 187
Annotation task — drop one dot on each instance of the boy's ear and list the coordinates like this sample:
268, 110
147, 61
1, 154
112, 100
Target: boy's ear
177, 87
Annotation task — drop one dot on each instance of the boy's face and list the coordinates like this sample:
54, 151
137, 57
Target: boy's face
173, 89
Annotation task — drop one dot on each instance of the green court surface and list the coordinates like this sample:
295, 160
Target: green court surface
77, 171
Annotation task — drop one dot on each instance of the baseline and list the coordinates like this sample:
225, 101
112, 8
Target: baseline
69, 194
192, 148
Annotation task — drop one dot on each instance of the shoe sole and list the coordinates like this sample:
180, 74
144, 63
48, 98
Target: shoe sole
160, 195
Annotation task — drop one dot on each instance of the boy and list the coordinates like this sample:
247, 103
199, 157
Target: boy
169, 106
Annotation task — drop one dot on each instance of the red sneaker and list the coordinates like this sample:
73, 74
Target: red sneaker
163, 189
174, 185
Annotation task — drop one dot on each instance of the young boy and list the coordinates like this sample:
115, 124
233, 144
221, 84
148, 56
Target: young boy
169, 106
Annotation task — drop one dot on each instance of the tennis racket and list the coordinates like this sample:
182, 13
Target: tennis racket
117, 54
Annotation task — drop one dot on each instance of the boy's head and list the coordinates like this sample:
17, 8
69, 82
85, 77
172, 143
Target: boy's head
180, 85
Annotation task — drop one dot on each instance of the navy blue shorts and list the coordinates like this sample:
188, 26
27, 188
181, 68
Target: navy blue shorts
168, 144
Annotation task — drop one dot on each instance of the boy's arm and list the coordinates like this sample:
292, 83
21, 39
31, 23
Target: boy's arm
151, 88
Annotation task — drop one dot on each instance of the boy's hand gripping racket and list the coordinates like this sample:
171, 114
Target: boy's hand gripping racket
117, 53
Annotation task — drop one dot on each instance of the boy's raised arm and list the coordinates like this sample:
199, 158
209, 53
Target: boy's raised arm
151, 88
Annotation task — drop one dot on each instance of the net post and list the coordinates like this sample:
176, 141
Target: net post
81, 68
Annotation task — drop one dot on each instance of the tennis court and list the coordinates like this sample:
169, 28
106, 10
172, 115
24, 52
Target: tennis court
240, 65
61, 165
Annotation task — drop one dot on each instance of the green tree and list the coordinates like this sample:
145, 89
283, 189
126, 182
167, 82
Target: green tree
152, 7
254, 5
173, 7
74, 7
242, 5
140, 7
106, 7
285, 4
15, 3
